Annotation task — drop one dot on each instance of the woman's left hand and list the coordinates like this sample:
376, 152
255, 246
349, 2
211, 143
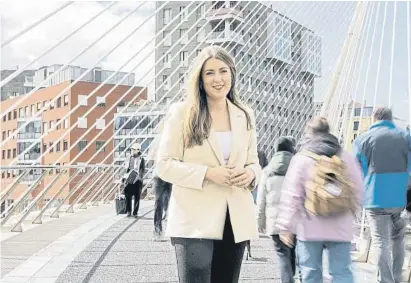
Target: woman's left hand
242, 177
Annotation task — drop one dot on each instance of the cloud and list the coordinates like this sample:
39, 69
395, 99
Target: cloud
33, 43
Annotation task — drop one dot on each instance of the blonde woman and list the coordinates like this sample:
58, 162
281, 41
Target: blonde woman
208, 151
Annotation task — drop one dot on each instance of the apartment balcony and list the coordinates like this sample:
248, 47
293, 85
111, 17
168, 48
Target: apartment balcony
225, 36
32, 156
225, 13
28, 136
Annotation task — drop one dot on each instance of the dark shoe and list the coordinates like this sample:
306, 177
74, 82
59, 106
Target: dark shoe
135, 215
128, 214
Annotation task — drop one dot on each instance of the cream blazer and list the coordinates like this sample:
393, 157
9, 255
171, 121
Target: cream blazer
197, 206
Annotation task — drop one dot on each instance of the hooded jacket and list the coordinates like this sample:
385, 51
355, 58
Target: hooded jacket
292, 215
269, 189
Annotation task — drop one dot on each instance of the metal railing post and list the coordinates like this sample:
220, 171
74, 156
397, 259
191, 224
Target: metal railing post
70, 209
55, 213
13, 185
102, 185
10, 211
38, 219
17, 227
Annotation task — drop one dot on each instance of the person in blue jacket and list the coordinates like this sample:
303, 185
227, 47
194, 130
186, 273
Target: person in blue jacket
384, 154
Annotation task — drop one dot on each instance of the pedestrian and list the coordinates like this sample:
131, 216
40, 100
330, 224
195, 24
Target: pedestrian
321, 193
383, 152
269, 195
135, 166
208, 151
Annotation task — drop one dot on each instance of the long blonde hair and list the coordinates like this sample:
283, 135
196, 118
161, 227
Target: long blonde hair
197, 122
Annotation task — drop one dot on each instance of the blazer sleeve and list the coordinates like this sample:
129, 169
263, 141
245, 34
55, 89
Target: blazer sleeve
170, 164
252, 155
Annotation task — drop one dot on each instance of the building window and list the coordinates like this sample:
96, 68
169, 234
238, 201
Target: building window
59, 102
9, 116
184, 58
167, 60
26, 111
183, 14
58, 147
82, 100
15, 114
200, 34
51, 104
356, 125
51, 125
3, 154
44, 127
65, 123
81, 145
82, 123
8, 153
201, 10
183, 36
167, 38
58, 168
167, 16
166, 82
58, 124
99, 146
14, 152
100, 124
65, 99
38, 106
51, 150
44, 147
65, 145
4, 135
101, 101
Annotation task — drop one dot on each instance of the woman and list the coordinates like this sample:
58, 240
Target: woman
316, 233
208, 151
269, 194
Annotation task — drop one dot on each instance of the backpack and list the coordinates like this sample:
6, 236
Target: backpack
329, 191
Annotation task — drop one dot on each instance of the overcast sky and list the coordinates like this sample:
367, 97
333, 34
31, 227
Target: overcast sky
330, 20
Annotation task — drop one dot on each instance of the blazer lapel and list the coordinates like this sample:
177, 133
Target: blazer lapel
237, 129
215, 145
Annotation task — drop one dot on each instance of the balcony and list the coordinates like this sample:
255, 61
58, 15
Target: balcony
225, 13
225, 36
33, 156
28, 136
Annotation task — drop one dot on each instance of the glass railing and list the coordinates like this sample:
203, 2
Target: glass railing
23, 136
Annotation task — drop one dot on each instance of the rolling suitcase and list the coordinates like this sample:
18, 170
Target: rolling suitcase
120, 203
121, 206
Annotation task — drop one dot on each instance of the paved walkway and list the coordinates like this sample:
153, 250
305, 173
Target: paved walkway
111, 248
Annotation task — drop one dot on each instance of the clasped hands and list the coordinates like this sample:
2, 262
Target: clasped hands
230, 176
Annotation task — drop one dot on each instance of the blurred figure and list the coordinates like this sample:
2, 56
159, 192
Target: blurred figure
307, 210
208, 151
269, 194
262, 160
383, 152
162, 191
134, 179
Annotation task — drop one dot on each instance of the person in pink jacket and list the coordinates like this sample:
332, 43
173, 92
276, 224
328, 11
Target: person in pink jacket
314, 233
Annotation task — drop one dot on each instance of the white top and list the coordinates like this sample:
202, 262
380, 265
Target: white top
226, 143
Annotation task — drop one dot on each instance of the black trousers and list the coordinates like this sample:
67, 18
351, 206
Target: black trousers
133, 190
162, 191
209, 261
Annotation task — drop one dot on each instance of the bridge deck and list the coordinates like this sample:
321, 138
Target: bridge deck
103, 247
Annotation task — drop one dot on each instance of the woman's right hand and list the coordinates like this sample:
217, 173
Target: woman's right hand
219, 175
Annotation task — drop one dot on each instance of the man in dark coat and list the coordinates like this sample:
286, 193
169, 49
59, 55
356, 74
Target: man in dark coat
134, 161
